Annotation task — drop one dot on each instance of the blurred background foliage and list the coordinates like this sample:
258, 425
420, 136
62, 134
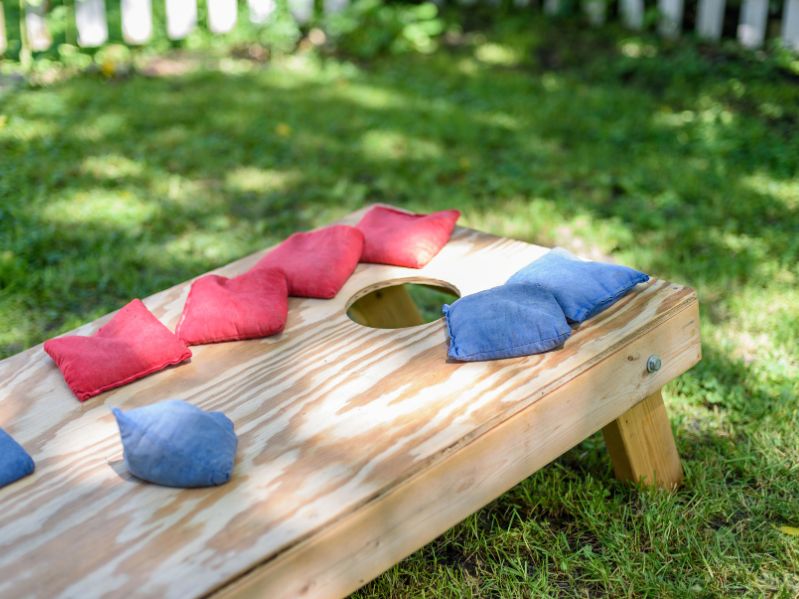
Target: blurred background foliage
363, 29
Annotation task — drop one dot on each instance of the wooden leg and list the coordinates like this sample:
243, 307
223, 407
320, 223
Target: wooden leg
641, 445
387, 308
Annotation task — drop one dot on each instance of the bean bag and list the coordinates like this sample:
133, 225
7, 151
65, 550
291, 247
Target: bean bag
131, 345
251, 305
317, 263
404, 239
15, 463
176, 444
582, 288
504, 322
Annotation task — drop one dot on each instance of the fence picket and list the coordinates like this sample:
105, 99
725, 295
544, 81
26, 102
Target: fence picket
91, 18
91, 22
221, 15
261, 10
181, 18
301, 10
670, 22
710, 18
3, 39
632, 12
790, 24
595, 10
137, 21
551, 7
334, 6
36, 27
752, 25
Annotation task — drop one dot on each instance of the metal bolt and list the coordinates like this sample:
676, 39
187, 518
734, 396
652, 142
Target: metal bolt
653, 363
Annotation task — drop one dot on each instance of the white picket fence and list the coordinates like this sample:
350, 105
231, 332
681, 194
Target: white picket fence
752, 19
91, 20
181, 18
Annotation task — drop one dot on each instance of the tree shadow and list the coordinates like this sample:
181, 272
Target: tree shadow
665, 151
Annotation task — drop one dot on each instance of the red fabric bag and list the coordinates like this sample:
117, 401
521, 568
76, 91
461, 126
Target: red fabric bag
251, 305
404, 239
317, 263
131, 345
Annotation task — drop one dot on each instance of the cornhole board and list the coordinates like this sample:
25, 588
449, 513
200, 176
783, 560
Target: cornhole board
357, 445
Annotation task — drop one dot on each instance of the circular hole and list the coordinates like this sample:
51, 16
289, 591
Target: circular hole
401, 303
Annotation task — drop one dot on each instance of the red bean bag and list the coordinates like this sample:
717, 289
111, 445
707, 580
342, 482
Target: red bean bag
131, 345
404, 239
317, 263
251, 305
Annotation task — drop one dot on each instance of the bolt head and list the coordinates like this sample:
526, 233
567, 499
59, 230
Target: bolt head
653, 363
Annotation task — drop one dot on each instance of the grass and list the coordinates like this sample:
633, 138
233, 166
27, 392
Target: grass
680, 160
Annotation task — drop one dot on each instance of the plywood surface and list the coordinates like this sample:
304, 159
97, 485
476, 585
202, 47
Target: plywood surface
330, 415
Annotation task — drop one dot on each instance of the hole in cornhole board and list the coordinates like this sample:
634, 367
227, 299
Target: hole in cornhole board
401, 303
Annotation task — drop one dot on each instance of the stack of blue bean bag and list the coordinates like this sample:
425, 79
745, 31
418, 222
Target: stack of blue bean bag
531, 312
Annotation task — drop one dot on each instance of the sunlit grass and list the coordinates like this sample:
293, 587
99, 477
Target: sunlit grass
97, 207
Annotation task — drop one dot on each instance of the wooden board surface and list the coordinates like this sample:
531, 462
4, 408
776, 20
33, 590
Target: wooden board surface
354, 549
330, 416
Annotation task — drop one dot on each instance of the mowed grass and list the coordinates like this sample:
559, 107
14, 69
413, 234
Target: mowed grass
682, 161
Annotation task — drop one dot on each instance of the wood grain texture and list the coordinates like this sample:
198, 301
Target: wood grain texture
641, 445
330, 415
354, 549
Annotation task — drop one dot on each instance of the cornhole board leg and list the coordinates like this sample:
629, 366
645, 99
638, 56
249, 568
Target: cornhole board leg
641, 445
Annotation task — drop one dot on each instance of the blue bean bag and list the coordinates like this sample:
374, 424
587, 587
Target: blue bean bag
582, 288
15, 463
505, 322
176, 444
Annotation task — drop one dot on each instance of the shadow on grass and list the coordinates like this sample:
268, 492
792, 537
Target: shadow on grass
118, 189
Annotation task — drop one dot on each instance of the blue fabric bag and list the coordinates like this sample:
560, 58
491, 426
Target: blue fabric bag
15, 463
176, 444
505, 322
582, 288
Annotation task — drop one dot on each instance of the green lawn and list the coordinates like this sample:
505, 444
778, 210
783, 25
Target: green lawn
682, 161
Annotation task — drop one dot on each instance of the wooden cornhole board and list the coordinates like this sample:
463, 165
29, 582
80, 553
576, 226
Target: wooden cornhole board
357, 445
